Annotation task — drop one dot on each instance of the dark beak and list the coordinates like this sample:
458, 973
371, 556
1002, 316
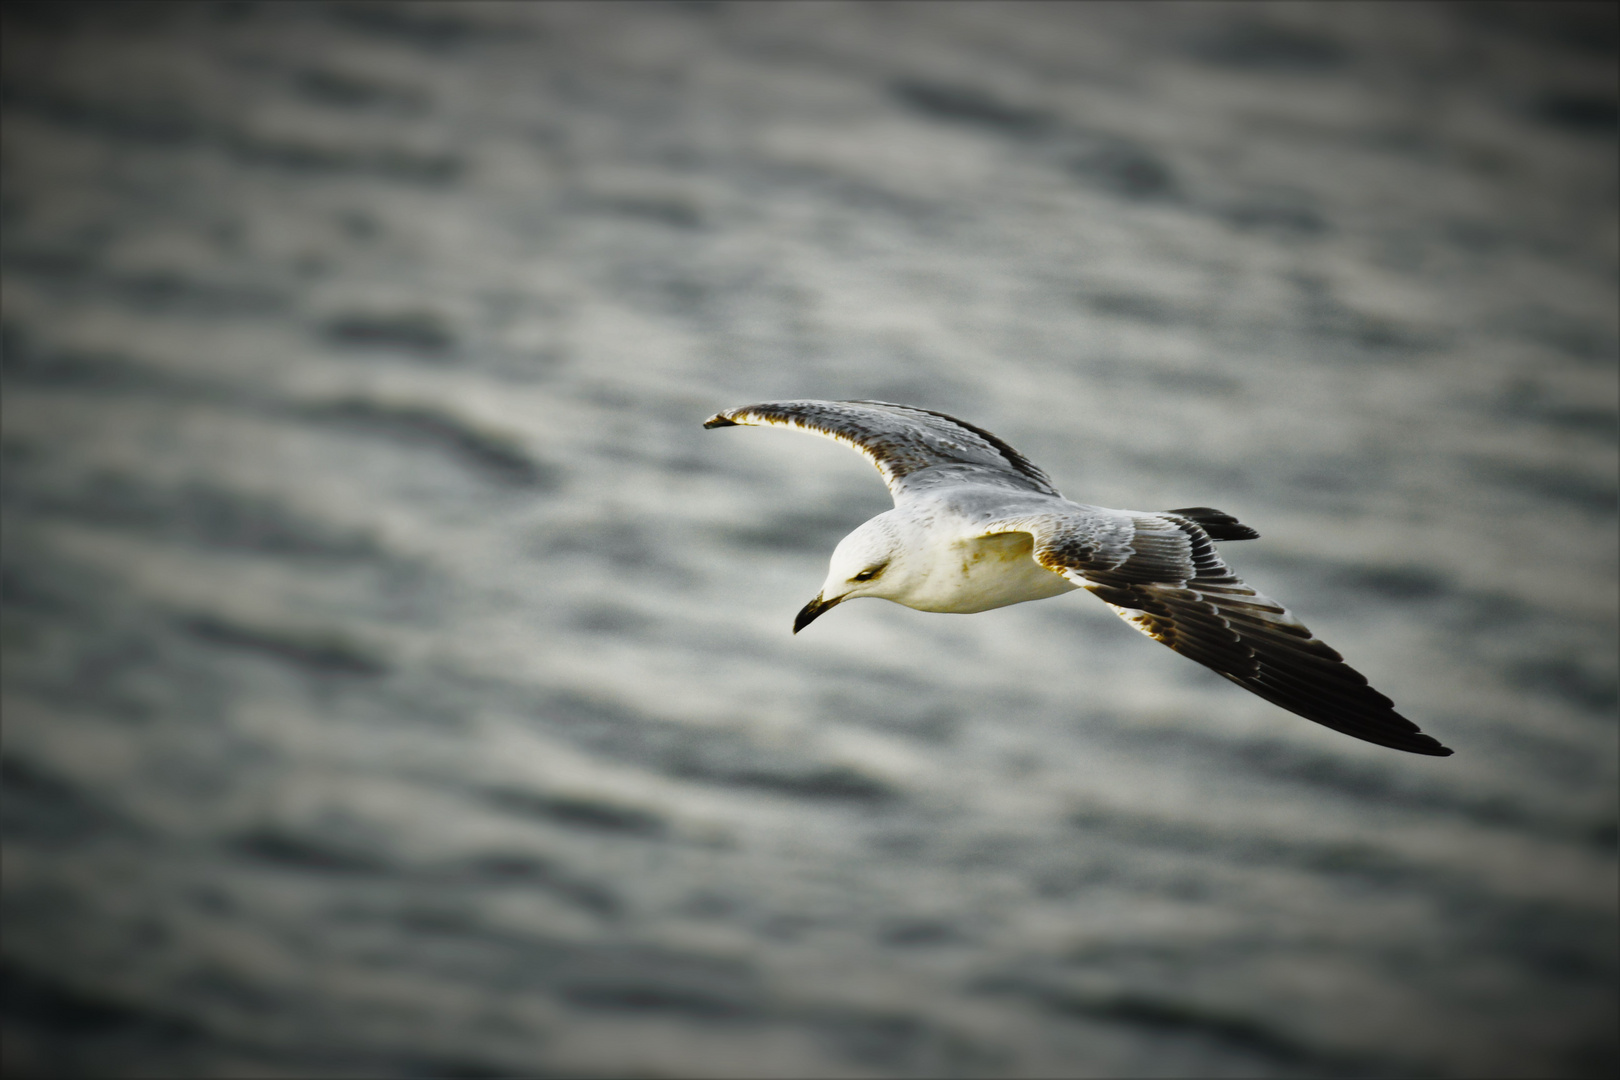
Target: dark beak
812, 610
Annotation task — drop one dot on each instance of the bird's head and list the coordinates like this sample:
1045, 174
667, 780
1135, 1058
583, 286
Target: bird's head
862, 564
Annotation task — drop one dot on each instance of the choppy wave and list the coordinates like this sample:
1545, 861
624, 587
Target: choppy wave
398, 678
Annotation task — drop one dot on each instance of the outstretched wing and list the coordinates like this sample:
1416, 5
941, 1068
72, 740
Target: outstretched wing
911, 447
1160, 573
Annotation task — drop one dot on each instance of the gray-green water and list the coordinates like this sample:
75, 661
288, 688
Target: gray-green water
398, 680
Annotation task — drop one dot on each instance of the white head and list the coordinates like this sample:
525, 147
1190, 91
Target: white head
863, 564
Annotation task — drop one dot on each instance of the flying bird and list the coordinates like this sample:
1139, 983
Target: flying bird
976, 525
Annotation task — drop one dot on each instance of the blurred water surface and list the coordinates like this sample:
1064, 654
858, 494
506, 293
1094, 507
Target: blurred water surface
398, 679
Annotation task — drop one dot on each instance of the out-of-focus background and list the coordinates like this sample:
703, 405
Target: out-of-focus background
398, 680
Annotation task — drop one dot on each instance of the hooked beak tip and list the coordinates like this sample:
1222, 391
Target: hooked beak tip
812, 611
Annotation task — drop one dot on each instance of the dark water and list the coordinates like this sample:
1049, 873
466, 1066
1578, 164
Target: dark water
398, 679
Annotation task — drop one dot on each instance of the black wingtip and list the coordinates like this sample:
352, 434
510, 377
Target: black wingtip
1217, 523
719, 420
1413, 742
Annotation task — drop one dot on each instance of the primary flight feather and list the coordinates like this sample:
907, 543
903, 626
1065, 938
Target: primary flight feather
976, 525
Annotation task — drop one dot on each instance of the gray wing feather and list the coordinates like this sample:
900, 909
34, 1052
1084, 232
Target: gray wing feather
1160, 573
912, 448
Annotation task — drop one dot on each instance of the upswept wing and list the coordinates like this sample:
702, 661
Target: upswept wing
911, 447
1160, 573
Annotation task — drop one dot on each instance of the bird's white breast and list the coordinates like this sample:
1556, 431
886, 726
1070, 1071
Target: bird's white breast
977, 573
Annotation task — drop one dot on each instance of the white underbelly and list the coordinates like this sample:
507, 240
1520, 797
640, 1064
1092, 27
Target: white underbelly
987, 572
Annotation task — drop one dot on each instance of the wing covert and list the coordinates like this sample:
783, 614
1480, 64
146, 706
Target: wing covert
902, 441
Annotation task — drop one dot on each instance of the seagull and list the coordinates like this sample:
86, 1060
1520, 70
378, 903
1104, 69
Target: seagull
976, 525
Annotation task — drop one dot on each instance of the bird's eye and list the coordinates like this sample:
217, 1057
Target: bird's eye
868, 574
